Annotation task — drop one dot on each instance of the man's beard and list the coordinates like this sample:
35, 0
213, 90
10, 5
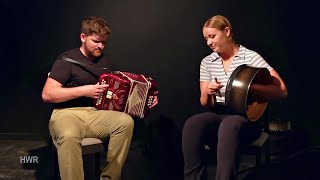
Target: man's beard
96, 52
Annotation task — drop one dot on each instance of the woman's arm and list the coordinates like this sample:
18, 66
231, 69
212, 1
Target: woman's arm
276, 90
208, 91
205, 98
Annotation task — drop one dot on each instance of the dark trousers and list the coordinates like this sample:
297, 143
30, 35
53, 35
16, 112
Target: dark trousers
227, 133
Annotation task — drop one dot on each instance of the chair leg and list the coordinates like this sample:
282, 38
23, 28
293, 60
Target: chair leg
258, 158
55, 166
267, 152
236, 174
97, 165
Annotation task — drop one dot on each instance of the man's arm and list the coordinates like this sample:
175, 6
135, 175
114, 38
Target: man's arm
53, 91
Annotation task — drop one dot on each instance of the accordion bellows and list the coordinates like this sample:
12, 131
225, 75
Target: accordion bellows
127, 92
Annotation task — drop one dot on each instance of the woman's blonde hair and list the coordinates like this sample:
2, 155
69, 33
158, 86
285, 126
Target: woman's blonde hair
219, 22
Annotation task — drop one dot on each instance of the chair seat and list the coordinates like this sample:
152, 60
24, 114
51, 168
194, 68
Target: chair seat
261, 140
90, 141
89, 145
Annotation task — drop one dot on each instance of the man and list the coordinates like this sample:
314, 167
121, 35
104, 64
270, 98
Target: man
71, 88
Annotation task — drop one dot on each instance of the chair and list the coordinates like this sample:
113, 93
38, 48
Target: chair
260, 147
89, 146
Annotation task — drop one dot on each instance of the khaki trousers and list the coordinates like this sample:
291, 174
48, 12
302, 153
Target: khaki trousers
68, 126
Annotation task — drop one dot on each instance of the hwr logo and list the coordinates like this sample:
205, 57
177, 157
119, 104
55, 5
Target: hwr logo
28, 159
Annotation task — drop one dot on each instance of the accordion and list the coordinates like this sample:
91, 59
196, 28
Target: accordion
127, 92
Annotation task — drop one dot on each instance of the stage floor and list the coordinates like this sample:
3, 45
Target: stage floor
148, 163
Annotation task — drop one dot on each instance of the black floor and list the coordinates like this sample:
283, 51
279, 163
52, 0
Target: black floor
156, 155
140, 165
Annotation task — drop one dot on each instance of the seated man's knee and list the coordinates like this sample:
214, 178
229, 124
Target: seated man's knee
68, 136
127, 121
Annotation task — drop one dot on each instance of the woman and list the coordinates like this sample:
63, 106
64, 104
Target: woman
217, 128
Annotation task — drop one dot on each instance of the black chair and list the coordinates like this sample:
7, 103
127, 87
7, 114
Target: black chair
260, 147
90, 146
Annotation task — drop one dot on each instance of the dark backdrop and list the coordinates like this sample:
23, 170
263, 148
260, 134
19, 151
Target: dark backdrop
159, 38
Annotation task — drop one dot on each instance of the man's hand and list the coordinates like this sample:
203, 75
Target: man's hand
155, 100
94, 91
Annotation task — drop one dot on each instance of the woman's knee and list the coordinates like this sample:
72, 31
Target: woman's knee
199, 122
234, 121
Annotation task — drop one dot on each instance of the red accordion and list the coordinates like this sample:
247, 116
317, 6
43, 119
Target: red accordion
127, 92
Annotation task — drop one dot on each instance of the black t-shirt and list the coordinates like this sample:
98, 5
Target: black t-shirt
71, 75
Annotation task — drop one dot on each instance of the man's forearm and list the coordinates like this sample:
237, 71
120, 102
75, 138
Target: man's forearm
61, 94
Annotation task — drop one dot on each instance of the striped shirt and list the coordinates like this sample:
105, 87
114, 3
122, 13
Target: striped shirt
211, 67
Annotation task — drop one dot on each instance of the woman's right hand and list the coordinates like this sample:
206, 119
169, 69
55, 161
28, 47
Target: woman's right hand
214, 88
207, 90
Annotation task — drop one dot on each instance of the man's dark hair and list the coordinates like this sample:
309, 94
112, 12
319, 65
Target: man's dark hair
95, 25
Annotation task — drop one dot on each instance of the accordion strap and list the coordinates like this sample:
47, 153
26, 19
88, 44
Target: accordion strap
83, 64
89, 68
